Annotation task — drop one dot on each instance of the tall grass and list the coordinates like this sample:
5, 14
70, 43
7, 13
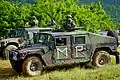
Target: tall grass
111, 72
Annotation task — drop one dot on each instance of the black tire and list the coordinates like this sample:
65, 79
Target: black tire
7, 50
32, 66
101, 59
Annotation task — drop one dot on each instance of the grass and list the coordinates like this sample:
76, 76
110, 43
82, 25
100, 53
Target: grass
111, 72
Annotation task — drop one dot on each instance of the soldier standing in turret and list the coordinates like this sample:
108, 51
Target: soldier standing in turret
33, 22
69, 24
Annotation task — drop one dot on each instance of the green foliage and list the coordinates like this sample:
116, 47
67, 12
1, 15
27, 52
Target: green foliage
92, 17
10, 13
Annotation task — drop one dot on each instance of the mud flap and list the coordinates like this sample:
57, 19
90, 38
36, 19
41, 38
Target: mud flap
117, 57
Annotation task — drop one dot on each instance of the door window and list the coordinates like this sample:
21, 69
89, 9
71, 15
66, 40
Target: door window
80, 40
61, 42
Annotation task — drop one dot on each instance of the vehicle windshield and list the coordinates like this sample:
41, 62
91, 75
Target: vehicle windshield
42, 38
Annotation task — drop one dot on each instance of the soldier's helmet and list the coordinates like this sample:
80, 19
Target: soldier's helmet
69, 16
34, 17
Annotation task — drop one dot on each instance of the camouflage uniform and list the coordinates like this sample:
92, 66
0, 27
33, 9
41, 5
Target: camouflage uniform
33, 22
69, 24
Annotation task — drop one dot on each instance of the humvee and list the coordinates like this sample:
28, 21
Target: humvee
58, 48
17, 38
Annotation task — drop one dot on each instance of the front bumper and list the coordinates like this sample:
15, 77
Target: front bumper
16, 63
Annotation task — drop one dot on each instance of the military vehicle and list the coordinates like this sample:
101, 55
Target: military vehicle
58, 48
17, 38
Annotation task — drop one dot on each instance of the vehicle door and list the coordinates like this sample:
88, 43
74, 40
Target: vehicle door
63, 51
81, 48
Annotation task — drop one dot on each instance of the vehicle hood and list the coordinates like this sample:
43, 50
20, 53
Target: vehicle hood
34, 48
9, 39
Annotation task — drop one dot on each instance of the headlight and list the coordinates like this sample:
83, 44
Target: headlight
14, 55
15, 58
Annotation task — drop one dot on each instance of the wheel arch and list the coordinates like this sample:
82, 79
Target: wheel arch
13, 43
36, 55
107, 49
6, 55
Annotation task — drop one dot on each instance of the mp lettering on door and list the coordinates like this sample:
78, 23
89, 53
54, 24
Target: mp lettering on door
79, 49
63, 52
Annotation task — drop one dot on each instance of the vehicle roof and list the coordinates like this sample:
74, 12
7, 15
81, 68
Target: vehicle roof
38, 29
76, 32
34, 29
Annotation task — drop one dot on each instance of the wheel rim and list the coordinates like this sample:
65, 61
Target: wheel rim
103, 60
35, 65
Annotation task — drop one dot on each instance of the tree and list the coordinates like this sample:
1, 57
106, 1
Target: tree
91, 16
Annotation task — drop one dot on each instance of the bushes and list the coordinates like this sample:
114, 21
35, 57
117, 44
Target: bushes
92, 16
